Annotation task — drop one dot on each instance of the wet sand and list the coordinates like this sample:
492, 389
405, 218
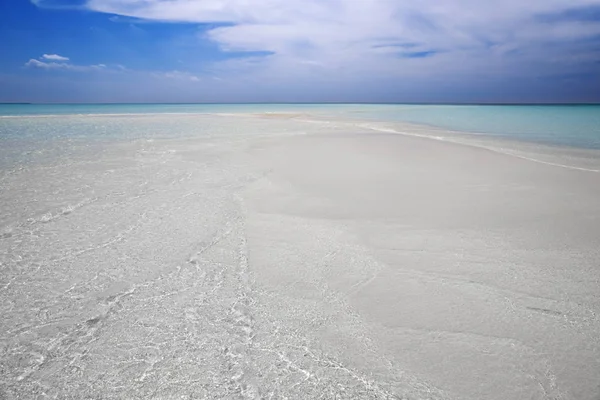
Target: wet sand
327, 261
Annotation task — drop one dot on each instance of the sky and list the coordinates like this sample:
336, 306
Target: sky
457, 51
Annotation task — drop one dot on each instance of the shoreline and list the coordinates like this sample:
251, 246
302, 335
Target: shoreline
573, 129
310, 116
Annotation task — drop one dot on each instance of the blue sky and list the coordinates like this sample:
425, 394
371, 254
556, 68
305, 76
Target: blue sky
300, 50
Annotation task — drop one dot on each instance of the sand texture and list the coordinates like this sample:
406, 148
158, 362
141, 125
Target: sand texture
300, 259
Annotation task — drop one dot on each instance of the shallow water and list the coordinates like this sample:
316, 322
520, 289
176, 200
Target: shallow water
563, 125
292, 256
571, 125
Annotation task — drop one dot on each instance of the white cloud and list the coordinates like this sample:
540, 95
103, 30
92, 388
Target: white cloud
54, 57
350, 42
33, 63
368, 36
179, 75
116, 68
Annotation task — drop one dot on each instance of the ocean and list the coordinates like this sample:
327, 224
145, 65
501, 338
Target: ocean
561, 125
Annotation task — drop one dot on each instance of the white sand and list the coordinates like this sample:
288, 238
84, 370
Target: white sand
476, 271
343, 263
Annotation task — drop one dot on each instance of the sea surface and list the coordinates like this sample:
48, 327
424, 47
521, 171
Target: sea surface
562, 125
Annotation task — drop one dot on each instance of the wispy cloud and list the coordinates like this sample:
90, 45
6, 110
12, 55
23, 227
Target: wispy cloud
341, 43
54, 57
178, 75
61, 64
350, 34
33, 63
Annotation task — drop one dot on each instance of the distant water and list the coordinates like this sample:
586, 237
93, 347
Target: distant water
87, 109
563, 125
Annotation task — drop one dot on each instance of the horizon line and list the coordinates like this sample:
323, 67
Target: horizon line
311, 103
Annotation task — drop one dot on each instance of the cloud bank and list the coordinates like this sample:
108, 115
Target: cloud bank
357, 42
343, 34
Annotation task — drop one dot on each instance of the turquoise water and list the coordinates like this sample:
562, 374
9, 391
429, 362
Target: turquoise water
86, 109
565, 125
577, 126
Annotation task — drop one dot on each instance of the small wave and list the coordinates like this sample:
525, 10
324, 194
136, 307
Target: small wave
66, 210
13, 229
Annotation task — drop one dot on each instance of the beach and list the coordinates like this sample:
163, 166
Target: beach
286, 255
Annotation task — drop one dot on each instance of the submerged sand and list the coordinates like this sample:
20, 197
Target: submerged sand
317, 259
